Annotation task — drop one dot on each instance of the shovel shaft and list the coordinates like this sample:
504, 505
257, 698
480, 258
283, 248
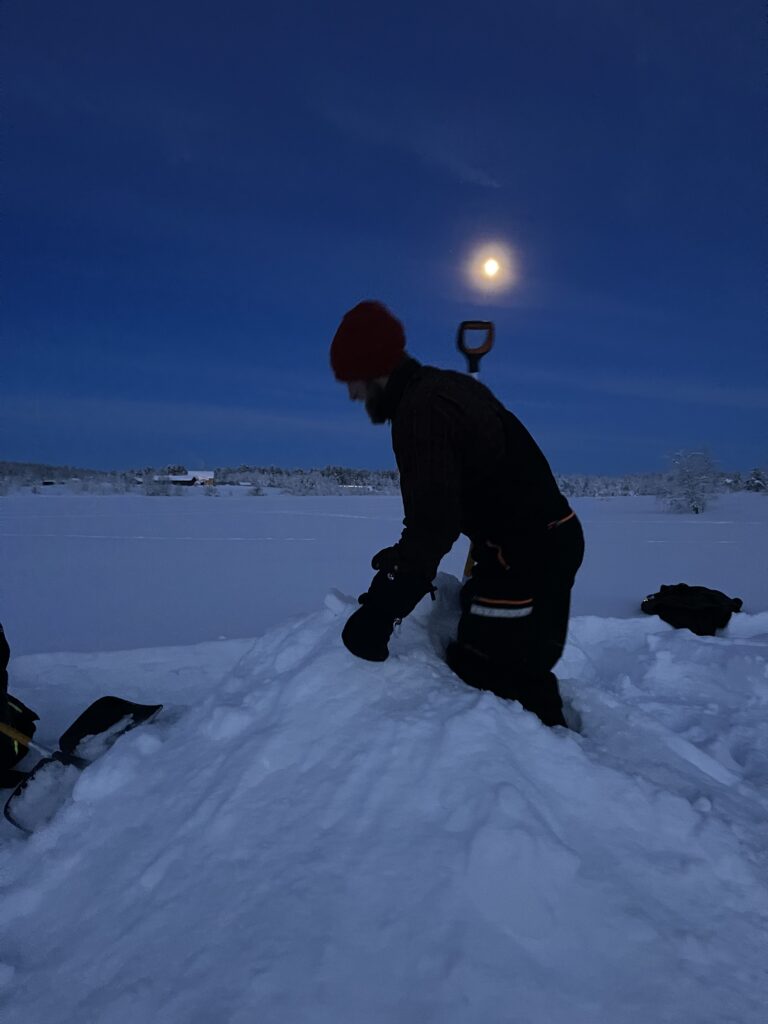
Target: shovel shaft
27, 741
19, 737
474, 354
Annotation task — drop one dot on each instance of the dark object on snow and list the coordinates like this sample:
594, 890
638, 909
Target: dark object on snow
96, 729
15, 714
699, 609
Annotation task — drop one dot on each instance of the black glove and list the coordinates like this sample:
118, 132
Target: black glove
387, 560
367, 634
395, 594
389, 598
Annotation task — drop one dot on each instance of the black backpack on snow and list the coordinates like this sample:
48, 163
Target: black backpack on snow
699, 609
15, 713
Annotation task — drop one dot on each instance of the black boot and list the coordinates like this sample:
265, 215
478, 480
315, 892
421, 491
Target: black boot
540, 695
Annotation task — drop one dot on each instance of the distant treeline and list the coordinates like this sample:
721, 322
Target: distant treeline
342, 480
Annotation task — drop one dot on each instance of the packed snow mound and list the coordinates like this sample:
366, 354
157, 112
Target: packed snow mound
321, 839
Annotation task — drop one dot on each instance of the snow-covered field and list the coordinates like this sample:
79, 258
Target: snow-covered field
303, 837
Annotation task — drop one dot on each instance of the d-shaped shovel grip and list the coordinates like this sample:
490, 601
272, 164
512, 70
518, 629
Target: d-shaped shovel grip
474, 353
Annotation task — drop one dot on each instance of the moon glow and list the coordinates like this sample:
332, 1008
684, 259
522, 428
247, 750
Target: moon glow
492, 267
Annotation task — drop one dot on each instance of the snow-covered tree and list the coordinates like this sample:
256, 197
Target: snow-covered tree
691, 483
757, 481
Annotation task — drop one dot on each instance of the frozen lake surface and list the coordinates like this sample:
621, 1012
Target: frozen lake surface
108, 573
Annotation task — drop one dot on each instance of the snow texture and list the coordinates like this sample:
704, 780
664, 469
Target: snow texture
301, 836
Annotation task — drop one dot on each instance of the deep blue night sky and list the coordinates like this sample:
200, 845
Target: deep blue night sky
194, 192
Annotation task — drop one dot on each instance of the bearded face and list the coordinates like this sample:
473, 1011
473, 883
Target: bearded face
371, 392
374, 402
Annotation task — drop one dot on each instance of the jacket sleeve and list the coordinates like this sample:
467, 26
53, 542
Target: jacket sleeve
428, 458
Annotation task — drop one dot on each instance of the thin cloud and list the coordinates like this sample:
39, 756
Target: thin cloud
665, 388
147, 417
434, 143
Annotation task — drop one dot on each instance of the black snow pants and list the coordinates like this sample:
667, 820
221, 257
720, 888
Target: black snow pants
514, 617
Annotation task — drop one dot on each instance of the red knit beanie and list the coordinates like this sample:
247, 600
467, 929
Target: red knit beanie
369, 343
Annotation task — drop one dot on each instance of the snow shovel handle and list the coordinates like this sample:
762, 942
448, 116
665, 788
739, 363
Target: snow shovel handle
474, 353
27, 741
14, 734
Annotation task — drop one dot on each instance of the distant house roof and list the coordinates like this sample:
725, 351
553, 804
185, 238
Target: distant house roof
198, 475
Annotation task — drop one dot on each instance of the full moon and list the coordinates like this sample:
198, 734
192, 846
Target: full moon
492, 267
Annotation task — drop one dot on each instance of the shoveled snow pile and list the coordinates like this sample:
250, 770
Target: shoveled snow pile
304, 837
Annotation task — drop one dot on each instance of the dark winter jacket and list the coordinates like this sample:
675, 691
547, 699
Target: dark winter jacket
467, 465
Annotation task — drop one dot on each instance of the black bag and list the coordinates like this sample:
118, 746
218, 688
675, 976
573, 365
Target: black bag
699, 609
14, 713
